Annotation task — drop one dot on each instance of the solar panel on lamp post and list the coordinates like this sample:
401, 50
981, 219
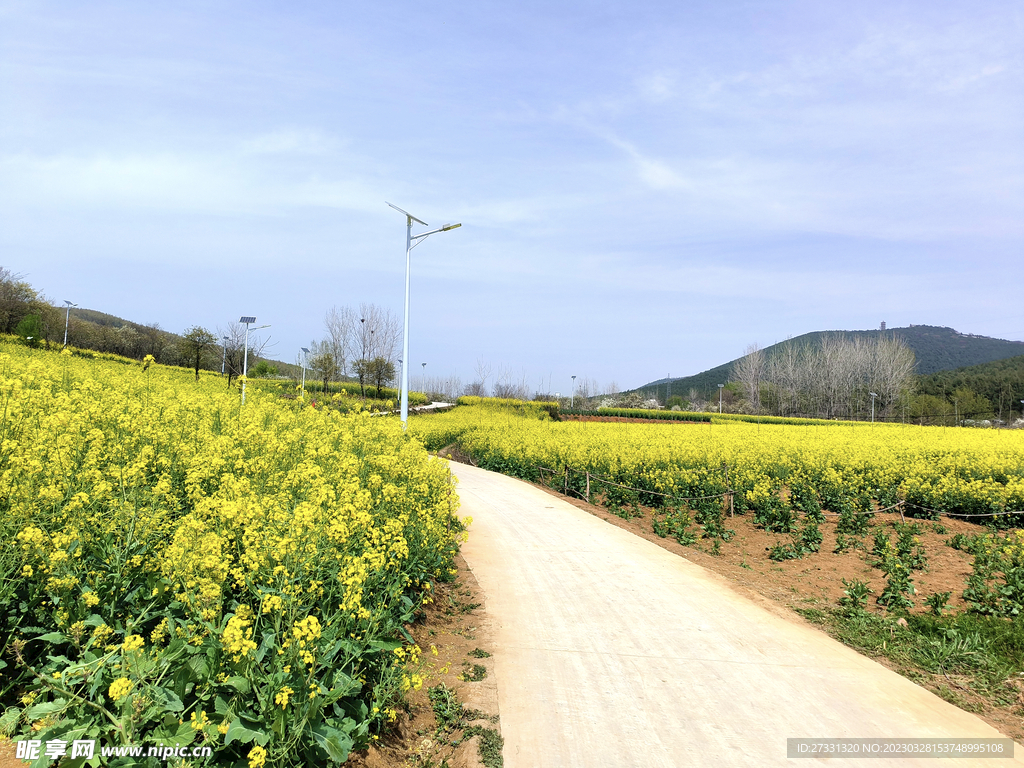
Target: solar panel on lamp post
247, 320
305, 354
411, 241
67, 317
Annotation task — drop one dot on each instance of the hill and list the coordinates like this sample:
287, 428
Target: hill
936, 349
1001, 382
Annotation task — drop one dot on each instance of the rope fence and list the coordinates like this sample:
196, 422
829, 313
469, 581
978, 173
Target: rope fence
900, 505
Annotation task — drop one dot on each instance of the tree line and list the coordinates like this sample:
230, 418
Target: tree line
27, 313
842, 377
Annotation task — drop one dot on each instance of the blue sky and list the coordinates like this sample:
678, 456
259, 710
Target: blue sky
644, 188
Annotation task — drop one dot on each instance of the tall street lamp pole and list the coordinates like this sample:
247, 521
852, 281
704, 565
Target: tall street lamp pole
411, 241
67, 317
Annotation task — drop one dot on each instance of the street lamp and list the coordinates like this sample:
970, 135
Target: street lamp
247, 320
67, 316
720, 387
873, 396
224, 355
411, 241
423, 378
305, 353
572, 394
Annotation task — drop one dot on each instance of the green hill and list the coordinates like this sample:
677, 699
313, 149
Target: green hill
936, 349
1001, 382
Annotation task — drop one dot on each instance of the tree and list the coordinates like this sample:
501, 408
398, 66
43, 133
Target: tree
196, 345
377, 336
16, 300
749, 371
341, 335
264, 370
322, 363
383, 372
30, 329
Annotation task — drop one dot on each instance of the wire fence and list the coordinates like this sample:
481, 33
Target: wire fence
730, 492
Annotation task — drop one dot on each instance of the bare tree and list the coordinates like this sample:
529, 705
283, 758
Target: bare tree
378, 335
749, 371
508, 385
483, 372
834, 378
442, 388
341, 335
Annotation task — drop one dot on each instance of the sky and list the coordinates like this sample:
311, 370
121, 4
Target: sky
644, 188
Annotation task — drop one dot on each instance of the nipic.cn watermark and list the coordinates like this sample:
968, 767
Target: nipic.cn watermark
55, 749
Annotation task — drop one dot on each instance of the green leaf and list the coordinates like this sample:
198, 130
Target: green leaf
200, 667
343, 686
269, 641
384, 645
239, 683
337, 744
238, 732
46, 708
220, 706
9, 720
53, 637
168, 700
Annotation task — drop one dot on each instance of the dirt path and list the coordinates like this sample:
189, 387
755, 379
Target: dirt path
611, 651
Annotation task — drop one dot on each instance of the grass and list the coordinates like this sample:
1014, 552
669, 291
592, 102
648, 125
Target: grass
453, 728
474, 673
967, 657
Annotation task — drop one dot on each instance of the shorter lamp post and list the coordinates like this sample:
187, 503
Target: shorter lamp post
67, 317
247, 320
720, 388
305, 353
224, 355
572, 394
873, 396
423, 379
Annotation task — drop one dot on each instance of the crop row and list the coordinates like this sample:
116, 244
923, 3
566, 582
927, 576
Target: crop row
176, 568
830, 465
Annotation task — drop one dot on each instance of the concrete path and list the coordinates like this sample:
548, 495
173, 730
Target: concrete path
611, 651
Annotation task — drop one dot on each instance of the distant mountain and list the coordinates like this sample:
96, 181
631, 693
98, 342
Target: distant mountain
936, 349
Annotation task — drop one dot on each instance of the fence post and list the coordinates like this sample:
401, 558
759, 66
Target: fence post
729, 486
588, 487
901, 514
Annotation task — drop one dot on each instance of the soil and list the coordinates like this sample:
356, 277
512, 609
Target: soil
457, 626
